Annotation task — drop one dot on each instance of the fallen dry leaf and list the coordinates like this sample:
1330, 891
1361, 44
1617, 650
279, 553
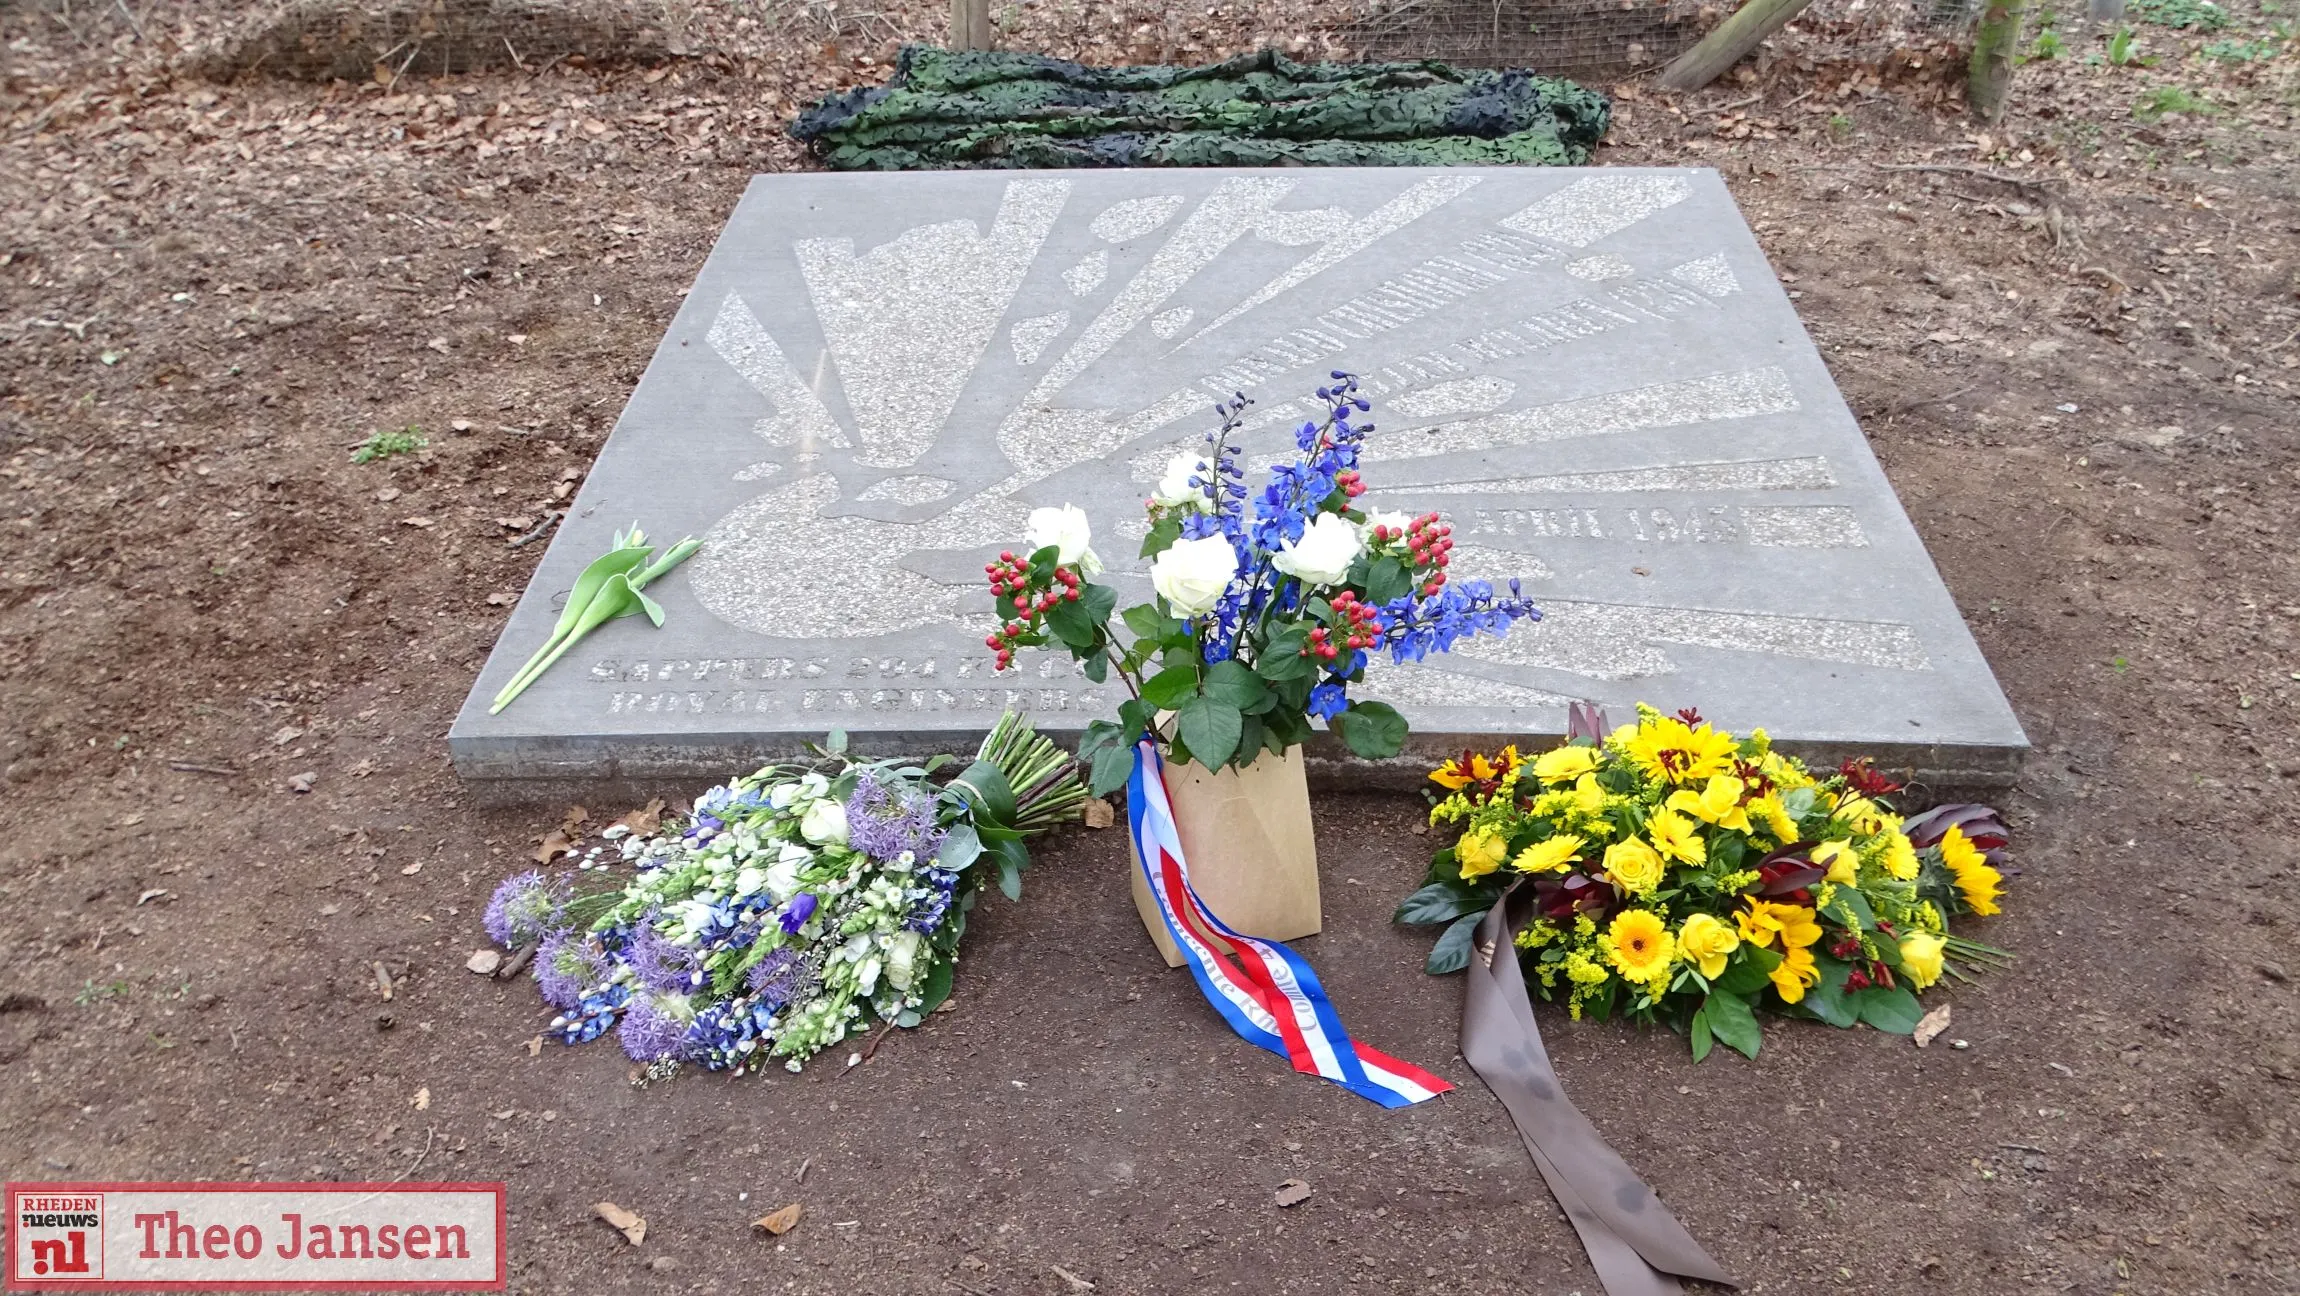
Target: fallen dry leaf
484, 962
1293, 1192
552, 845
1930, 1026
303, 782
1076, 1283
633, 1228
422, 1099
1097, 813
420, 523
782, 1221
535, 1047
412, 869
645, 820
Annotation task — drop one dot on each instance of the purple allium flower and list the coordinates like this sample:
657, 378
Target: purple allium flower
659, 963
802, 908
649, 1034
527, 907
566, 966
884, 821
778, 976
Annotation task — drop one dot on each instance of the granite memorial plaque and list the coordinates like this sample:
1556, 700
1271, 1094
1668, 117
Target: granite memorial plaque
1592, 372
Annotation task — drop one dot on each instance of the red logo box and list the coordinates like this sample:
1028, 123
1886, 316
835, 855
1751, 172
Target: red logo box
256, 1237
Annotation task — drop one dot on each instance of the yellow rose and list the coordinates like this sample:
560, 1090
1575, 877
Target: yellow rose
1565, 764
1921, 957
1634, 866
1480, 853
1841, 861
1706, 943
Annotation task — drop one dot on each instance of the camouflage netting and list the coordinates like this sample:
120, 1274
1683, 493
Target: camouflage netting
321, 40
945, 109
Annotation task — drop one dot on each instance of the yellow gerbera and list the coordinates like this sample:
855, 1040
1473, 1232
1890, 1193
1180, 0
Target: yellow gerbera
1564, 764
1639, 945
1900, 856
1551, 856
1671, 751
1675, 836
1795, 973
1480, 852
1634, 866
1707, 943
1842, 861
1718, 802
1921, 957
1769, 811
1980, 883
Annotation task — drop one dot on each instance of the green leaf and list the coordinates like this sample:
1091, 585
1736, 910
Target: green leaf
1387, 579
939, 979
1750, 971
1893, 1011
1373, 730
1250, 736
1231, 683
1733, 1022
1100, 734
1210, 729
1849, 907
1113, 765
1826, 998
1282, 657
1439, 902
984, 786
961, 848
1287, 725
1096, 666
1170, 688
1099, 601
1452, 951
1009, 878
1147, 622
1701, 1035
1073, 625
1161, 537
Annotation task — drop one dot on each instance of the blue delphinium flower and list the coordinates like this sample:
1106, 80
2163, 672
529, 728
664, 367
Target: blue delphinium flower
567, 965
593, 1016
527, 907
1328, 700
658, 962
1417, 627
928, 909
650, 1032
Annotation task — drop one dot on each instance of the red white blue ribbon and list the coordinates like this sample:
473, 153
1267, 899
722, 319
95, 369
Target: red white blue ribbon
1264, 990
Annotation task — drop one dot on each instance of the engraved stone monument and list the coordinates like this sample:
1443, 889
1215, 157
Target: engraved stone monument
1592, 372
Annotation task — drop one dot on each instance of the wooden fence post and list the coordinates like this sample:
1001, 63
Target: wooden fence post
1996, 48
970, 24
1734, 37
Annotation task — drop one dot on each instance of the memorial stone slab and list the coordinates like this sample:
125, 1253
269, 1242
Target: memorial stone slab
1592, 372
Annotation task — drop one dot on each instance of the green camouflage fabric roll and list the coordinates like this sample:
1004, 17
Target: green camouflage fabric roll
985, 109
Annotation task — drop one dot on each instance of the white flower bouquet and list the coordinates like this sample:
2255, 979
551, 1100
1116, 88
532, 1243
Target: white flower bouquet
793, 907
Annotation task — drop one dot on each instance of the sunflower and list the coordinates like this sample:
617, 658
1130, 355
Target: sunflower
1551, 856
1980, 883
1639, 945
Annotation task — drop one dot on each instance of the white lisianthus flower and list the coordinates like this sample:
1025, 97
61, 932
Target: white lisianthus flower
1065, 529
1392, 520
750, 880
1324, 553
905, 959
824, 823
1174, 488
1192, 574
782, 878
691, 917
783, 795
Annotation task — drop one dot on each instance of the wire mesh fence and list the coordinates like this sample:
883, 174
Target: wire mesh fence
386, 39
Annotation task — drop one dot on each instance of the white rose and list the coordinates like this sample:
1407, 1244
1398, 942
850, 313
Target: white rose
1393, 520
1324, 553
824, 823
1191, 575
1174, 489
749, 881
783, 795
905, 956
1066, 530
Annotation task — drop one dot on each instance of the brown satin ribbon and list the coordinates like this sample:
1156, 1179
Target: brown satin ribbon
1636, 1246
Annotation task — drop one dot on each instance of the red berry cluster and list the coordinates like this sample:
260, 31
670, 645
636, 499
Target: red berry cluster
1347, 479
1360, 625
1011, 586
1429, 547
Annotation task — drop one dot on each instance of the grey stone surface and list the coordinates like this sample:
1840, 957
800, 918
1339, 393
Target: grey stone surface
1594, 373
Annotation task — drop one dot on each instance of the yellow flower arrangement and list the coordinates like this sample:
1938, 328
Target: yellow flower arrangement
1680, 874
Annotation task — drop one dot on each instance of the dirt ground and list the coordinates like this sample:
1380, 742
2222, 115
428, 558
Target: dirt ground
2072, 341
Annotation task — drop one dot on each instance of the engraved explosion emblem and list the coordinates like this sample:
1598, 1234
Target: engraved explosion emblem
912, 441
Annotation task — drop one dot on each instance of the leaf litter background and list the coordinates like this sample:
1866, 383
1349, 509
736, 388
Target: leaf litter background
210, 292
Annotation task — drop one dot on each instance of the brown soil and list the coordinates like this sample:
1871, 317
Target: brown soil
209, 293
